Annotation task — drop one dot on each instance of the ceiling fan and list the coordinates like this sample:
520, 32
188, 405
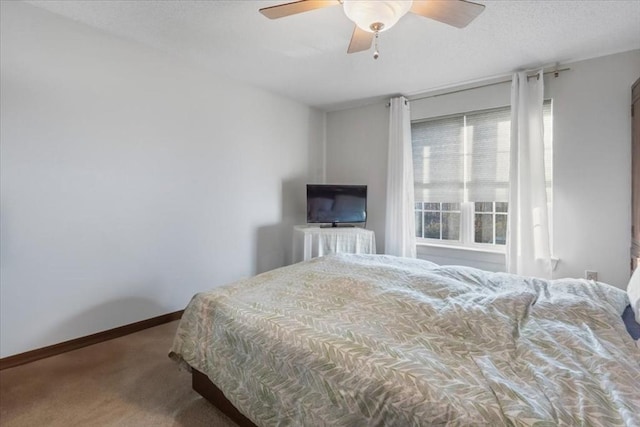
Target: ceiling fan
373, 17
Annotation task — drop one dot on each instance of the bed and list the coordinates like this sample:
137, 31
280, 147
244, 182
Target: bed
364, 340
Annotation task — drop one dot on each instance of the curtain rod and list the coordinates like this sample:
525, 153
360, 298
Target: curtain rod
555, 73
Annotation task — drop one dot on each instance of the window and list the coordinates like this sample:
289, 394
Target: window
461, 176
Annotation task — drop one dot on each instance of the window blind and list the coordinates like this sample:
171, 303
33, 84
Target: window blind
465, 158
438, 153
488, 138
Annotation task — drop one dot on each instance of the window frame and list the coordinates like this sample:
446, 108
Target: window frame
467, 235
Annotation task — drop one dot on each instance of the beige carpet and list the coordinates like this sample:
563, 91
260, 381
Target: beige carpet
128, 381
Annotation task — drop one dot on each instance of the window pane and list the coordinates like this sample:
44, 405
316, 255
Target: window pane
432, 206
451, 206
418, 205
432, 225
484, 228
450, 226
418, 223
501, 207
501, 229
484, 206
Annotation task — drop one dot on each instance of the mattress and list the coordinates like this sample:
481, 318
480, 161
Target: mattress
350, 340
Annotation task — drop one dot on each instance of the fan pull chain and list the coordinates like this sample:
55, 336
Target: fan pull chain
376, 54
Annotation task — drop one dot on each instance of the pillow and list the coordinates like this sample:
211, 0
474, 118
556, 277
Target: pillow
633, 290
632, 326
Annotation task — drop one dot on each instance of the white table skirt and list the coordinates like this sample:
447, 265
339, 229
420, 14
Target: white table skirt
310, 242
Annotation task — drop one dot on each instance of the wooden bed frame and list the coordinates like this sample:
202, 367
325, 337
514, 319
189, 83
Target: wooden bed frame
203, 385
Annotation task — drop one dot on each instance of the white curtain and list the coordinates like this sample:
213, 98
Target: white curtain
528, 251
400, 235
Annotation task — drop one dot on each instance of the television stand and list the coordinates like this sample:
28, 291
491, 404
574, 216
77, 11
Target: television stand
313, 241
337, 225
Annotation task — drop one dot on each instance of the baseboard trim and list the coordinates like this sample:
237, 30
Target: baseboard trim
63, 347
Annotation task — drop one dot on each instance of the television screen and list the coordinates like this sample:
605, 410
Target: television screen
334, 204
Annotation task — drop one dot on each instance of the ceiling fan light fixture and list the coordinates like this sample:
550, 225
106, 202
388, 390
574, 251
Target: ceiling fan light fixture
376, 15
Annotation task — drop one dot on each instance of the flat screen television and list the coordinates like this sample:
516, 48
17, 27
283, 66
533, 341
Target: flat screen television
336, 204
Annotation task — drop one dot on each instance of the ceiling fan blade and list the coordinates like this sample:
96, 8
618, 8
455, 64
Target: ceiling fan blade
458, 13
360, 40
282, 10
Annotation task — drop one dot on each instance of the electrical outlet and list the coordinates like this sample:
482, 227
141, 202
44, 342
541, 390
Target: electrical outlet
591, 275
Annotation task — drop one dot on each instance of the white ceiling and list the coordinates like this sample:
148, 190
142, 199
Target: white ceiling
304, 56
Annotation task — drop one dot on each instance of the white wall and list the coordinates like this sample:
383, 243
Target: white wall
130, 181
356, 153
592, 166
